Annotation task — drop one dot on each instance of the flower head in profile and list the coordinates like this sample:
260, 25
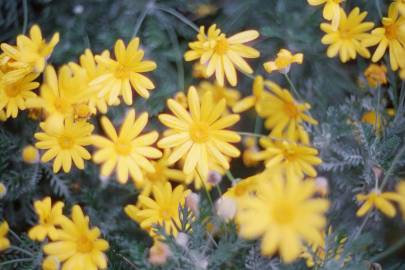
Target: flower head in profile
76, 244
199, 133
124, 72
331, 10
162, 209
221, 54
379, 200
390, 36
284, 214
30, 53
346, 39
48, 217
251, 149
376, 75
294, 159
14, 96
283, 61
127, 151
4, 242
64, 140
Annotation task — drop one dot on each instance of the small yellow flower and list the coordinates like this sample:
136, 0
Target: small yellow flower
347, 38
331, 10
65, 141
376, 75
199, 133
3, 190
51, 263
4, 242
250, 151
244, 187
30, 53
124, 72
48, 217
230, 95
401, 193
200, 71
284, 214
379, 200
390, 36
294, 159
77, 245
283, 61
30, 154
222, 54
127, 151
14, 96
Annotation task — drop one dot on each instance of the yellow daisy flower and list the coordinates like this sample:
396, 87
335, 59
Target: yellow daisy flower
285, 214
199, 133
30, 53
399, 6
331, 10
14, 96
4, 242
77, 245
295, 159
126, 151
222, 54
379, 200
124, 72
163, 209
283, 61
376, 75
392, 36
347, 38
230, 95
65, 141
48, 217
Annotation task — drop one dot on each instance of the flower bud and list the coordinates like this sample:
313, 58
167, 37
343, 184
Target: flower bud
182, 239
30, 154
158, 253
214, 178
322, 186
226, 208
192, 202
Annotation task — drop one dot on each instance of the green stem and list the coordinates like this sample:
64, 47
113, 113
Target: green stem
389, 251
243, 133
21, 250
392, 167
25, 22
293, 87
363, 224
377, 4
230, 176
141, 19
252, 134
16, 261
206, 191
219, 190
179, 16
258, 125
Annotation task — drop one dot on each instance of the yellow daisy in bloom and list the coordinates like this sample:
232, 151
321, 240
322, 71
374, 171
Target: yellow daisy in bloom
13, 96
285, 214
4, 242
285, 116
392, 36
399, 6
127, 151
64, 141
230, 95
295, 159
283, 61
30, 53
163, 209
199, 133
124, 72
162, 174
48, 217
347, 38
77, 245
379, 200
331, 10
376, 75
221, 54
401, 193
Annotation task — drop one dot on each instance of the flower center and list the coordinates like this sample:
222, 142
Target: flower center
166, 214
122, 72
66, 142
123, 147
284, 212
391, 31
158, 175
222, 46
12, 91
291, 110
346, 33
84, 245
199, 132
61, 105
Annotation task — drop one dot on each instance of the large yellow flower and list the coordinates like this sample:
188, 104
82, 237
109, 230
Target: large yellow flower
347, 38
30, 53
392, 36
13, 96
283, 156
4, 242
48, 217
127, 151
76, 245
199, 133
65, 141
284, 213
379, 200
222, 54
163, 209
124, 72
331, 10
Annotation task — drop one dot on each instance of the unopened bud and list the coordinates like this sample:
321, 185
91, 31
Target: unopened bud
377, 171
182, 239
322, 186
226, 208
158, 253
30, 154
214, 178
192, 202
